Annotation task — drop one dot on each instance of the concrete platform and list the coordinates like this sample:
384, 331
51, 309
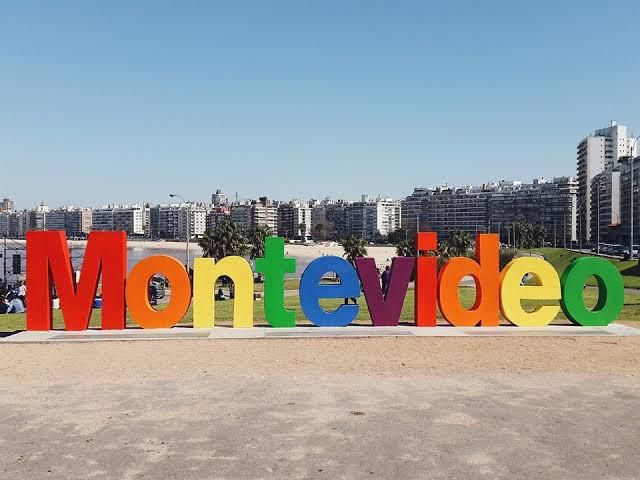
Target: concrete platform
183, 333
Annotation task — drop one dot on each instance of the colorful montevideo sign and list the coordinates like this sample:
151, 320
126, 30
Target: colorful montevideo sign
49, 266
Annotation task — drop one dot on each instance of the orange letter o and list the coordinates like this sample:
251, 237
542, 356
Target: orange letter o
137, 296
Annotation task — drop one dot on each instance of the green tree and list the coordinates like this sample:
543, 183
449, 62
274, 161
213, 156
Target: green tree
225, 239
406, 247
256, 239
354, 247
529, 235
457, 244
538, 235
379, 239
398, 236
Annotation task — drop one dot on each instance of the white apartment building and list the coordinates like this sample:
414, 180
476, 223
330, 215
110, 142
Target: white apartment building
196, 213
170, 220
369, 219
129, 218
261, 213
37, 217
74, 221
597, 153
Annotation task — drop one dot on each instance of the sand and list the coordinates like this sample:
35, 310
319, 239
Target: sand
386, 408
117, 362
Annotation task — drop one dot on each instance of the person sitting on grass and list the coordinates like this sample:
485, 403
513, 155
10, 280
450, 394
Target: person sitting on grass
15, 305
220, 295
4, 305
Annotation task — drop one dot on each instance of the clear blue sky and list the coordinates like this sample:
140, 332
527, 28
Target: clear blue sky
126, 101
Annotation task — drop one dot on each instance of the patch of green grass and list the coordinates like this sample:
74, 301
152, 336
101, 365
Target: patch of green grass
561, 258
224, 311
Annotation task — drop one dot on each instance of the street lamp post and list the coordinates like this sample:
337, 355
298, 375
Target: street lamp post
579, 207
598, 218
173, 195
634, 143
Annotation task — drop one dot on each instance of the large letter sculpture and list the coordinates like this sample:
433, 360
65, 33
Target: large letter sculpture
49, 264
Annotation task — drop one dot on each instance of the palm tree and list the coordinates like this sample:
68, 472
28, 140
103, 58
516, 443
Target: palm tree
256, 239
303, 230
354, 247
398, 236
224, 240
406, 247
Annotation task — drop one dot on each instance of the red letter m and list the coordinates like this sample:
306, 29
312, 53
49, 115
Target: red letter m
48, 263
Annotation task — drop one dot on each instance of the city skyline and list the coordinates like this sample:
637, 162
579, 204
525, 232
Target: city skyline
302, 100
354, 196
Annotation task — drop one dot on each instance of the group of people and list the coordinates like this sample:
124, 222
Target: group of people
13, 298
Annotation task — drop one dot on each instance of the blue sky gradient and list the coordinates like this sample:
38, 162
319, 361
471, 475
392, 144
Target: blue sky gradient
126, 101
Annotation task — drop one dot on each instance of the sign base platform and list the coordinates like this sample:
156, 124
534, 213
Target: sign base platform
184, 333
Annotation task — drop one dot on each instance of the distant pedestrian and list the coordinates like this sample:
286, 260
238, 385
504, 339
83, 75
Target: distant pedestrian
15, 305
346, 300
153, 294
22, 291
385, 279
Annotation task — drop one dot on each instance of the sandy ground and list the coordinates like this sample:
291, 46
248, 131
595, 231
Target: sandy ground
553, 408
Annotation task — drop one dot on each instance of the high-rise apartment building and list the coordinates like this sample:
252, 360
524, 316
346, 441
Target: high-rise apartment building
257, 213
372, 219
192, 221
17, 224
412, 209
494, 207
215, 215
605, 211
7, 205
625, 202
451, 208
37, 217
169, 221
129, 218
219, 199
294, 220
597, 153
74, 221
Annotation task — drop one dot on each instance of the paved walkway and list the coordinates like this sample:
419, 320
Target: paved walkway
217, 333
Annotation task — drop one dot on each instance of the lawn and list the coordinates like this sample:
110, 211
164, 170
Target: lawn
224, 311
561, 258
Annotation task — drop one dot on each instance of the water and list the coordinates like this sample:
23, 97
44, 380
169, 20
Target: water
134, 255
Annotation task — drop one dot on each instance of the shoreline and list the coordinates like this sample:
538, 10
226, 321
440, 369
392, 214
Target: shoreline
381, 253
